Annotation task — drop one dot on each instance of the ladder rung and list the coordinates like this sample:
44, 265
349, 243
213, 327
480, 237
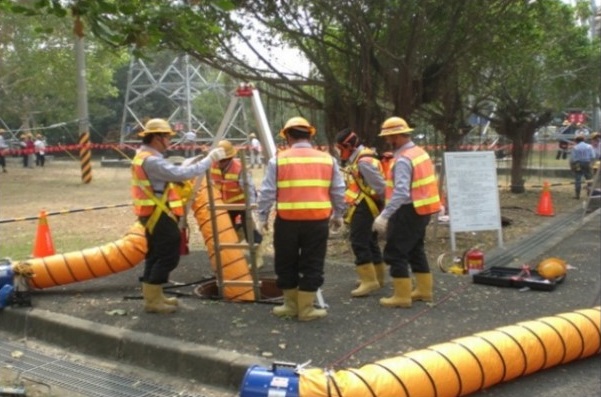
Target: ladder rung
241, 283
235, 245
234, 207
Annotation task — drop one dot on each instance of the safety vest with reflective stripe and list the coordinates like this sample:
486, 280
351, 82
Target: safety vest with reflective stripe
141, 188
304, 177
356, 188
424, 187
228, 183
354, 182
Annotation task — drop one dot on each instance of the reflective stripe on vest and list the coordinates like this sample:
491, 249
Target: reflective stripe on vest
424, 186
141, 188
229, 183
304, 177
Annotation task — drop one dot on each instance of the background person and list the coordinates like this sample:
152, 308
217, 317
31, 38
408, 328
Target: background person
308, 191
364, 194
255, 150
595, 138
189, 142
411, 197
40, 150
159, 207
3, 150
229, 178
581, 160
568, 130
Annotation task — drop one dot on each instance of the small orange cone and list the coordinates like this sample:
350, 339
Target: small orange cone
545, 203
43, 245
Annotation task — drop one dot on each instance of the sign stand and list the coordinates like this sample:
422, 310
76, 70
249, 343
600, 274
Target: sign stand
472, 193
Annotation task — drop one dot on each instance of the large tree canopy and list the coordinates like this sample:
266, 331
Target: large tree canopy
369, 59
38, 75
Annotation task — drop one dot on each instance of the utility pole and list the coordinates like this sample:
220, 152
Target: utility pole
85, 155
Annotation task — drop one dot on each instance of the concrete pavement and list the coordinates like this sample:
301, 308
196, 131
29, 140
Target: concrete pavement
215, 342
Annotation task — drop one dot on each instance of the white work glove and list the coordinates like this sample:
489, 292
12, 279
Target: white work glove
336, 224
188, 162
380, 225
217, 154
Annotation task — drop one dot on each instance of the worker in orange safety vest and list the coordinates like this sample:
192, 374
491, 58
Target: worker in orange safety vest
308, 191
229, 178
364, 195
411, 198
158, 207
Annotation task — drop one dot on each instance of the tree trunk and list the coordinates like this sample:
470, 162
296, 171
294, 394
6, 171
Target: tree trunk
517, 157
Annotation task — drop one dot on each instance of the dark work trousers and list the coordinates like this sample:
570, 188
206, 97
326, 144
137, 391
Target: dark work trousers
163, 250
582, 169
562, 151
40, 159
299, 253
364, 241
258, 237
405, 242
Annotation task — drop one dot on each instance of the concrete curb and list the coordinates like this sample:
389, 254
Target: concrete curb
206, 364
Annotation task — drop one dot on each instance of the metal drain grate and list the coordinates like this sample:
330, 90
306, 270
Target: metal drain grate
82, 379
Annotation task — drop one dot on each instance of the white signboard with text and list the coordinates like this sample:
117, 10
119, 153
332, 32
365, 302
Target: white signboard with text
472, 193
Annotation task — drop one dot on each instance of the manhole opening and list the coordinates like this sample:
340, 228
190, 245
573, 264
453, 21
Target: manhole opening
208, 289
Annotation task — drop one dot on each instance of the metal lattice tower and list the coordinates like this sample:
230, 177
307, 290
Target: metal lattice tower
180, 82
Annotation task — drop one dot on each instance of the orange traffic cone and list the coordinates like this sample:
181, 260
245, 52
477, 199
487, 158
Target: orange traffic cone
545, 204
43, 245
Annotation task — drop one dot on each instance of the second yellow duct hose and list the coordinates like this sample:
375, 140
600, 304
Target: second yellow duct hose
466, 365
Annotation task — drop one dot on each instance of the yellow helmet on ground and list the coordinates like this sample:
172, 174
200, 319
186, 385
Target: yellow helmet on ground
393, 126
552, 268
298, 123
156, 126
230, 150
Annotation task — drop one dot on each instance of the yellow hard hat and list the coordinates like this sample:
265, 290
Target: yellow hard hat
252, 135
552, 268
230, 150
156, 126
393, 126
298, 123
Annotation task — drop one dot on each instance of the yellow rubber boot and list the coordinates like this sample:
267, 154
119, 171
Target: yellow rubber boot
290, 307
169, 300
367, 277
306, 311
153, 299
380, 269
423, 287
402, 294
